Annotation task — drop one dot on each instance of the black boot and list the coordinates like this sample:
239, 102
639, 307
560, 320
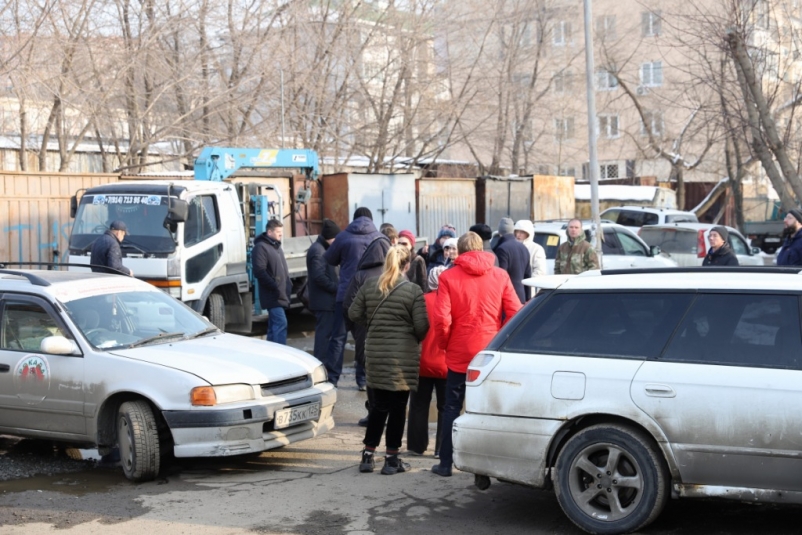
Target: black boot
394, 465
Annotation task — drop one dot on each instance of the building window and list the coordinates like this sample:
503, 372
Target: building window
567, 171
651, 74
650, 23
652, 123
563, 129
762, 15
561, 33
544, 169
606, 80
608, 170
563, 81
608, 126
605, 27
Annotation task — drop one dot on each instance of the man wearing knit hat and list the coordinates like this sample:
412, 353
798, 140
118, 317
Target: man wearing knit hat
720, 253
321, 285
513, 257
436, 255
791, 253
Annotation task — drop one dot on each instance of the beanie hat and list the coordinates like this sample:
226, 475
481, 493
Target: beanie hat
362, 211
484, 231
446, 232
723, 232
408, 235
451, 242
526, 226
434, 277
796, 213
505, 226
330, 229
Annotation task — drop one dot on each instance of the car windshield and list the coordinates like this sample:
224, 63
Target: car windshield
671, 240
549, 242
142, 214
127, 319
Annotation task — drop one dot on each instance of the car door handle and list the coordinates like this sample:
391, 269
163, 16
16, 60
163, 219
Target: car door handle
659, 391
4, 368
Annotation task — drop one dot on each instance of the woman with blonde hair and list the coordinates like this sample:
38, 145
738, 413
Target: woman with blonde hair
394, 313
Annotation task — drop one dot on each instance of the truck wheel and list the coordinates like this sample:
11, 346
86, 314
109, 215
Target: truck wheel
216, 307
138, 440
609, 480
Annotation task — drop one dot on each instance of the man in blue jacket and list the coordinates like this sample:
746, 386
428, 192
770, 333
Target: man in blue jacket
791, 253
346, 252
321, 283
513, 257
270, 269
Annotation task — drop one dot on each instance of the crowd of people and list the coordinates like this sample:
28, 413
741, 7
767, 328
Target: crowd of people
418, 317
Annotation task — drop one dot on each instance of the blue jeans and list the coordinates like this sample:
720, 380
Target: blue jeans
336, 347
277, 325
455, 397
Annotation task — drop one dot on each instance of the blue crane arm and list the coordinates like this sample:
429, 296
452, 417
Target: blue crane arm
219, 163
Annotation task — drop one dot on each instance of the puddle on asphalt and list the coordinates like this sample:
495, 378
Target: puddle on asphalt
93, 481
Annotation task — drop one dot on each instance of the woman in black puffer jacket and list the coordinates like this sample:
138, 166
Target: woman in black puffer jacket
394, 311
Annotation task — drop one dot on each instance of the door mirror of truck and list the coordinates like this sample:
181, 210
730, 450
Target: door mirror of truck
73, 206
654, 250
176, 213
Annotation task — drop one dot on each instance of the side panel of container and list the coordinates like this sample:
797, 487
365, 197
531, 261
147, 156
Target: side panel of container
335, 199
553, 197
390, 197
445, 200
35, 214
507, 198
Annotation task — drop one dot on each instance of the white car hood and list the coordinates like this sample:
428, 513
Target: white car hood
227, 359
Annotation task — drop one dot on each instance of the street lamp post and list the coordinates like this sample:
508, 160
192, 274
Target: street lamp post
593, 166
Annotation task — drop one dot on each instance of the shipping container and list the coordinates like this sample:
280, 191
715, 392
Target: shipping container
35, 213
445, 200
390, 197
553, 197
498, 197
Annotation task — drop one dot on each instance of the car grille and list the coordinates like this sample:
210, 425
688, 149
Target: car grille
286, 385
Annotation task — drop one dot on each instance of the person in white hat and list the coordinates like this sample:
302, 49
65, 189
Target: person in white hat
525, 233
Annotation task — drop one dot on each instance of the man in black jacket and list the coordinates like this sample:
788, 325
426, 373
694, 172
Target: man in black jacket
720, 253
513, 257
106, 250
321, 284
270, 269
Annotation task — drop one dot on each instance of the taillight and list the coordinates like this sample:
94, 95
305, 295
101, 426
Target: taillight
701, 249
479, 365
473, 375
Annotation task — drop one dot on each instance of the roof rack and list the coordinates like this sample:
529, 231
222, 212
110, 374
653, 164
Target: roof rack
36, 280
54, 266
705, 269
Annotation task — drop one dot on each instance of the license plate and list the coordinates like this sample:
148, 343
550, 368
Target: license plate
772, 240
295, 415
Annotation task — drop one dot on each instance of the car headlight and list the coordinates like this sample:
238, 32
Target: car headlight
209, 396
319, 375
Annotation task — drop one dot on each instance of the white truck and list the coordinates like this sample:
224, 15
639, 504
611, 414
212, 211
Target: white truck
193, 238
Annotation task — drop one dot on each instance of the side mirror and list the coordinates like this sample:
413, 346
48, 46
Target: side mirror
58, 345
654, 250
73, 206
176, 213
755, 250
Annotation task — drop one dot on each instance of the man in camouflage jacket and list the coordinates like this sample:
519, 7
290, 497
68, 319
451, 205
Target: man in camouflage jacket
575, 255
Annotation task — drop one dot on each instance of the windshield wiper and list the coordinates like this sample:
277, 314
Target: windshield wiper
88, 246
207, 330
132, 245
160, 336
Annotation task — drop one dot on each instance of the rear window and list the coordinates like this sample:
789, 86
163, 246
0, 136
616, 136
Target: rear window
671, 240
549, 242
631, 218
681, 218
634, 325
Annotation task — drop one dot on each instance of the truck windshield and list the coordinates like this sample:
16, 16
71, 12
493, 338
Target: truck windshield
142, 214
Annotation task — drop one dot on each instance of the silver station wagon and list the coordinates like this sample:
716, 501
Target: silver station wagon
623, 389
110, 361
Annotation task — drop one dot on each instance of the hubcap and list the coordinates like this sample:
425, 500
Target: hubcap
605, 482
125, 439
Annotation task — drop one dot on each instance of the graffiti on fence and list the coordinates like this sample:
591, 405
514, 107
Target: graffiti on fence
45, 242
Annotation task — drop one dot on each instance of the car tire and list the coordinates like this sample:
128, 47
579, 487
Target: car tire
138, 440
590, 470
216, 306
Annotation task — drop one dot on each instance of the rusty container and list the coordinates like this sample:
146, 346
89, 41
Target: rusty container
498, 197
445, 200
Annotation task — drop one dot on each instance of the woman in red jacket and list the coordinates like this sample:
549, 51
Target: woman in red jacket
472, 298
432, 376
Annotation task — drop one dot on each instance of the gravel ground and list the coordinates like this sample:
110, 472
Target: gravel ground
27, 458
